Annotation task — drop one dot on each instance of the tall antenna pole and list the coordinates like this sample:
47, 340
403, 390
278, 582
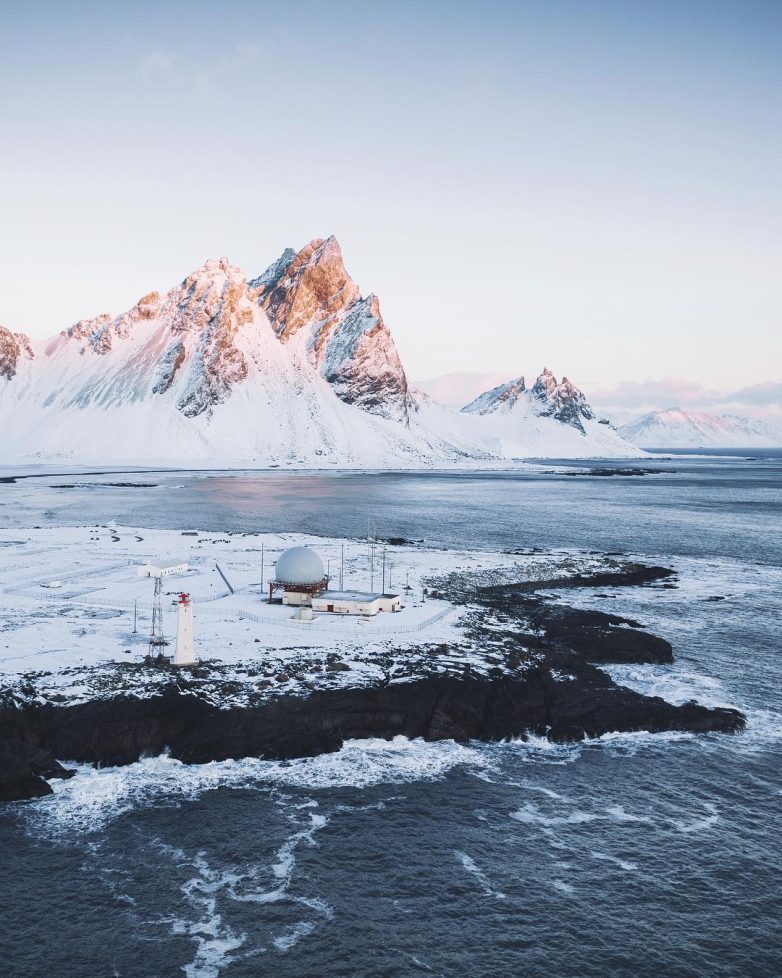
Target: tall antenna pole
135, 617
156, 639
384, 571
342, 569
262, 565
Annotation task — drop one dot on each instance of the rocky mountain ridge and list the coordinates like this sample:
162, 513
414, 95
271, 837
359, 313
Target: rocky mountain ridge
293, 367
547, 397
13, 347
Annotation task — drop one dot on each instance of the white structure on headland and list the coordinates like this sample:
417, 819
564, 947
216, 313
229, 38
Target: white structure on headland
300, 575
355, 603
162, 568
183, 654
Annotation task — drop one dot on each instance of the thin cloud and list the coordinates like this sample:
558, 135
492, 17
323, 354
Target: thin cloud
155, 63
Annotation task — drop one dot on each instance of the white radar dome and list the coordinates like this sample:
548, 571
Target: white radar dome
299, 565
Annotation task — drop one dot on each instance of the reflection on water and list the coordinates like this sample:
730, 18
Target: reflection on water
691, 507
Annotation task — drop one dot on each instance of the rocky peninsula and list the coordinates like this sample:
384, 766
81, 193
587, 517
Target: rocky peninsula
535, 670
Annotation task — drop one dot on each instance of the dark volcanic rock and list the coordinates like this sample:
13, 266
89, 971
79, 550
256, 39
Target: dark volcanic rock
599, 637
538, 678
23, 770
121, 730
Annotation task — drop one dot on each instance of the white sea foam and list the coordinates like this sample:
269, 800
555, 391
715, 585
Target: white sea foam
94, 797
530, 814
670, 684
470, 865
618, 814
563, 887
702, 824
621, 863
217, 944
215, 941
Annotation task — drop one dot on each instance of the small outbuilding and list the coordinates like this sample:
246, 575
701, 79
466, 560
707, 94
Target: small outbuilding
355, 603
162, 568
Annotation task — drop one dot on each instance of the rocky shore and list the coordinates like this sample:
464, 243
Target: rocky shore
540, 678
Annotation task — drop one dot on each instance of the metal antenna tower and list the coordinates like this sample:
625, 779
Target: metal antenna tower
156, 640
342, 569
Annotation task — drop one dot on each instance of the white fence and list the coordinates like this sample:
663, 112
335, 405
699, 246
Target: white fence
324, 625
353, 629
67, 574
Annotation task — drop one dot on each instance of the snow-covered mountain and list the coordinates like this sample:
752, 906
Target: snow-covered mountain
294, 367
548, 419
675, 428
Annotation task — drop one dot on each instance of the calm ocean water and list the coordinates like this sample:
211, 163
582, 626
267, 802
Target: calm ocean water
633, 855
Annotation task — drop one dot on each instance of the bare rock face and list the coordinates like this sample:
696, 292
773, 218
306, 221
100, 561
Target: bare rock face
358, 358
346, 339
564, 401
13, 346
312, 290
205, 313
547, 398
98, 334
503, 396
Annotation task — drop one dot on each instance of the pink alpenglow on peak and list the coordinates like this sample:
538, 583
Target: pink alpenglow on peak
13, 348
675, 428
312, 294
293, 368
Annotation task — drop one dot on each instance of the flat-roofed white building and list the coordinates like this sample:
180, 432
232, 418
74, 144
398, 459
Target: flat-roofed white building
162, 568
355, 602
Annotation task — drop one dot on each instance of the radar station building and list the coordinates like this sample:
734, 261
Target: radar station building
300, 576
162, 568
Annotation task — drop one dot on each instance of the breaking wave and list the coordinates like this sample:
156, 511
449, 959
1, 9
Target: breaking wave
95, 797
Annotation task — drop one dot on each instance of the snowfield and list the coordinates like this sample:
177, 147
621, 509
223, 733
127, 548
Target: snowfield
75, 640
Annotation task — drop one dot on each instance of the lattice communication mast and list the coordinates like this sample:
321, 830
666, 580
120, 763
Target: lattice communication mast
156, 640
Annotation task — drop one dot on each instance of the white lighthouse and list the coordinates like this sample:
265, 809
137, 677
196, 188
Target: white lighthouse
184, 655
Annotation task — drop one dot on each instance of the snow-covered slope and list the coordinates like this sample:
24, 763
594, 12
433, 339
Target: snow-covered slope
549, 419
292, 368
675, 428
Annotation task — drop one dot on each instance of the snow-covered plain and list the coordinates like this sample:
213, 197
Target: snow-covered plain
76, 640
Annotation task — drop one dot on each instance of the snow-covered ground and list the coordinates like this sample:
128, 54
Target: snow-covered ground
675, 428
76, 638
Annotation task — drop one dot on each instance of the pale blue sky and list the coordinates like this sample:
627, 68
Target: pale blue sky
594, 186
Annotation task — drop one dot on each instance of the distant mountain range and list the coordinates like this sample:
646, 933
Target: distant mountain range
291, 368
675, 428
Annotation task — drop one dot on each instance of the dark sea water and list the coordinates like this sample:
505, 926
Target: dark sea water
631, 855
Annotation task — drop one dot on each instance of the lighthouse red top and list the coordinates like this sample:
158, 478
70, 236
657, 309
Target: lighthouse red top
184, 598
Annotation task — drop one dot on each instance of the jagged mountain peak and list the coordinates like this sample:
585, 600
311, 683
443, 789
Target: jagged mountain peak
13, 348
293, 367
309, 295
503, 396
546, 398
309, 289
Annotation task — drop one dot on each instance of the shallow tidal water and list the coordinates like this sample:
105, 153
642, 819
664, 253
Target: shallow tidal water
631, 855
